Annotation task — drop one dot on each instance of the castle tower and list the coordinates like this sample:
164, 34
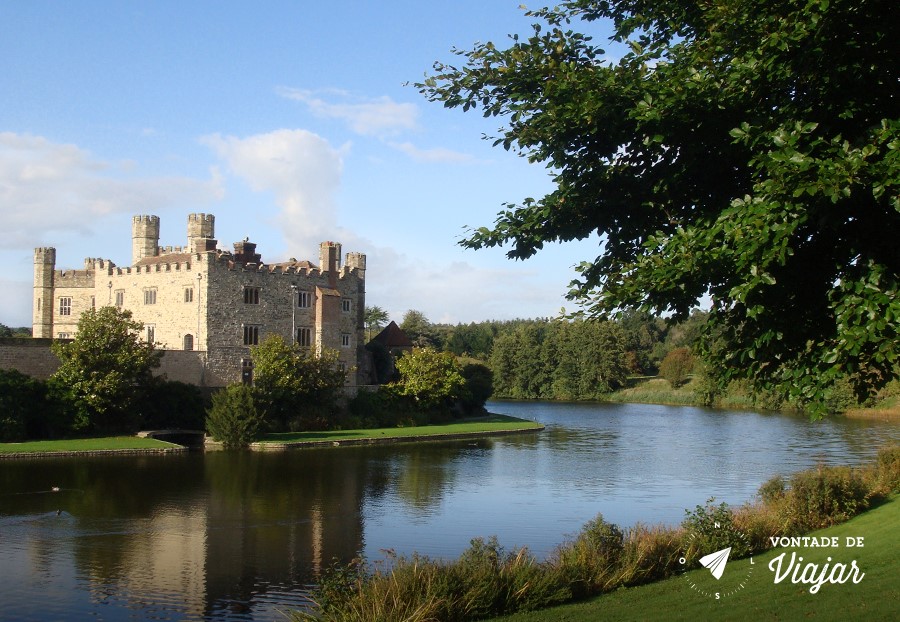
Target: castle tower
144, 237
330, 260
42, 315
201, 232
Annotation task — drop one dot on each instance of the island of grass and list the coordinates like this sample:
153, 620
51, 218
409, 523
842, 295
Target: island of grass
88, 446
473, 427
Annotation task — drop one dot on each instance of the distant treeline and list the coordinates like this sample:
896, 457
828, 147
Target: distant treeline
560, 358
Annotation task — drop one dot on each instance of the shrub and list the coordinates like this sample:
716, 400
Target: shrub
590, 562
232, 419
886, 474
173, 404
712, 528
823, 496
649, 554
676, 366
479, 386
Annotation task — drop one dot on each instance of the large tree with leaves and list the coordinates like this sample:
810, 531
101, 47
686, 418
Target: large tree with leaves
105, 370
748, 151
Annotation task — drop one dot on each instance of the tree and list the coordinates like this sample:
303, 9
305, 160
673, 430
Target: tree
749, 151
375, 319
294, 388
233, 419
676, 366
433, 379
105, 369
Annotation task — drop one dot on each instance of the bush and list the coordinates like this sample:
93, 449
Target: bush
171, 404
479, 386
590, 562
676, 366
232, 419
22, 406
822, 497
649, 554
712, 529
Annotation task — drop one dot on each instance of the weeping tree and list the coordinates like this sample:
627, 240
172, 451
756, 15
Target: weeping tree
743, 152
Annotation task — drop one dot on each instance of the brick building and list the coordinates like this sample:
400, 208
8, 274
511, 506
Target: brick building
212, 303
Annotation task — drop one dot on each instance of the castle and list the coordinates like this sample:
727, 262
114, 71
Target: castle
212, 305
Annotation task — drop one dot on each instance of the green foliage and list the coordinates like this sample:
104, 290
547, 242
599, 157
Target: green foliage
375, 319
420, 330
169, 404
479, 386
677, 366
822, 497
578, 360
711, 527
746, 151
295, 389
429, 377
104, 370
26, 409
232, 419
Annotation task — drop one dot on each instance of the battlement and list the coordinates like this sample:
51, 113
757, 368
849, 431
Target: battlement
145, 220
45, 254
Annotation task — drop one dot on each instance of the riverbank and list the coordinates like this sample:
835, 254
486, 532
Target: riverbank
876, 597
604, 561
476, 427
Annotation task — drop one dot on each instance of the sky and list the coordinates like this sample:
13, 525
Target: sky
293, 122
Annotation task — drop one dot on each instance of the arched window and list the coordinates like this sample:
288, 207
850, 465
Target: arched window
188, 342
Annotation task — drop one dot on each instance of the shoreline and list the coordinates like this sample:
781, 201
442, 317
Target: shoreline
336, 438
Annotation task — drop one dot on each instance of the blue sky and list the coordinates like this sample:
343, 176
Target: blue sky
290, 121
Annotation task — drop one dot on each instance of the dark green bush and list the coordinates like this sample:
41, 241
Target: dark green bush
171, 404
479, 386
823, 496
710, 528
232, 419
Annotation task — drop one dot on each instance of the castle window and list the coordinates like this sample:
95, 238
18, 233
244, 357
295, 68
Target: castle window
120, 298
345, 340
251, 335
151, 333
304, 300
304, 337
251, 295
188, 295
246, 371
188, 342
93, 303
345, 305
62, 335
65, 306
150, 296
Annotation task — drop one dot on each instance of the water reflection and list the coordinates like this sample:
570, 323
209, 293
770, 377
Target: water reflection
240, 536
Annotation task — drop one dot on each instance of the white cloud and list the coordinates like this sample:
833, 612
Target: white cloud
300, 168
381, 116
457, 291
47, 187
437, 155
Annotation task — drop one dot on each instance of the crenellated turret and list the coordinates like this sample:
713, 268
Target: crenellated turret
144, 237
44, 268
201, 231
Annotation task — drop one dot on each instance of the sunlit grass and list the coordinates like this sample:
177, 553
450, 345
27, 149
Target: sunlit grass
490, 423
84, 444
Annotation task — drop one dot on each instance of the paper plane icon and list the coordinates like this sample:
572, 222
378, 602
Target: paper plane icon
715, 562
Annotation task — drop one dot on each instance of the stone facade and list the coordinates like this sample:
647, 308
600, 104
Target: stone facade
200, 299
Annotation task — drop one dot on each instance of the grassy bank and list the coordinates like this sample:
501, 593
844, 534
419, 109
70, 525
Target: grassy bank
876, 597
112, 443
472, 426
655, 391
605, 562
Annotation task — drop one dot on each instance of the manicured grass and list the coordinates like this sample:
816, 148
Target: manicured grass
488, 424
876, 597
84, 444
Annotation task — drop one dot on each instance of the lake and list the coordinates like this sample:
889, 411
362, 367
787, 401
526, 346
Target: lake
224, 536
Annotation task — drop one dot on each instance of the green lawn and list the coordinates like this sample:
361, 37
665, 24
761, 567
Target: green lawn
84, 444
876, 597
486, 425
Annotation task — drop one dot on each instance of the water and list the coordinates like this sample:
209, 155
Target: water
240, 537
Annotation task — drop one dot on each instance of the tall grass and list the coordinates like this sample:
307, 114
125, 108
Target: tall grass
487, 581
